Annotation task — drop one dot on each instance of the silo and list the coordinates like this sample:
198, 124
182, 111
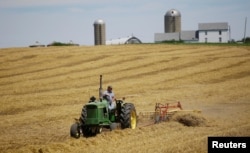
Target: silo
99, 31
172, 21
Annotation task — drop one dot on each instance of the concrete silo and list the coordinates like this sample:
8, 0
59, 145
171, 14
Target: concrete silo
172, 21
100, 32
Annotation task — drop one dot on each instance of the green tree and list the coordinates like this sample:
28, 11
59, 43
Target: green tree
247, 40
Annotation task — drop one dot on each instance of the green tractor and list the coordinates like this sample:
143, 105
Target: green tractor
96, 115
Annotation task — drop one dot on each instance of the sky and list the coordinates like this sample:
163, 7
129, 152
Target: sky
25, 22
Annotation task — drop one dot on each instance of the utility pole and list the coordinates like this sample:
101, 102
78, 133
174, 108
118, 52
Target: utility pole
229, 29
245, 30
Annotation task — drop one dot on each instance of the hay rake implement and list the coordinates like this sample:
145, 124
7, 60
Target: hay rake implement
162, 112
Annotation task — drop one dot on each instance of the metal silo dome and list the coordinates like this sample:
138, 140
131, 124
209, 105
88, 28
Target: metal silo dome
173, 12
99, 21
172, 21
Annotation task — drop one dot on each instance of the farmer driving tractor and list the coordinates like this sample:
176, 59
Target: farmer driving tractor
110, 97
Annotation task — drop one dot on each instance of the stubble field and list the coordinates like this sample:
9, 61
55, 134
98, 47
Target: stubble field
44, 89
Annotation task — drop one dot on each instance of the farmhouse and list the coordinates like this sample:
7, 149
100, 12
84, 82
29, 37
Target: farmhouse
214, 32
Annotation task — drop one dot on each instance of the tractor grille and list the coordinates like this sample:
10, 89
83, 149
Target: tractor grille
91, 111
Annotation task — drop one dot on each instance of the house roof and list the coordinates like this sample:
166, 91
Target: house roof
213, 26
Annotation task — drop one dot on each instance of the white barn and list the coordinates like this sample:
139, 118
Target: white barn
125, 40
186, 36
213, 32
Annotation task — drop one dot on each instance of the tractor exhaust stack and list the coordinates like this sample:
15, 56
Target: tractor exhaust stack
100, 88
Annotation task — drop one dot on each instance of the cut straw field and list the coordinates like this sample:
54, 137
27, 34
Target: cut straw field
44, 89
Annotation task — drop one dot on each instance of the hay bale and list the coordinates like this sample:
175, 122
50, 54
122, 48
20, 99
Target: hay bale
189, 119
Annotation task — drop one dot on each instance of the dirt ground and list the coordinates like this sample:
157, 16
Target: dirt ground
44, 89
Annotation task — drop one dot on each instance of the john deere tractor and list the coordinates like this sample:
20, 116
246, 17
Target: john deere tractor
96, 115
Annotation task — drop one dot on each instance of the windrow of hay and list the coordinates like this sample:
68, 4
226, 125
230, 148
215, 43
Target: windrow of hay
189, 119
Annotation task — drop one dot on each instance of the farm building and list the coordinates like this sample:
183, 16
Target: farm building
99, 32
172, 21
125, 40
37, 44
207, 32
186, 36
214, 32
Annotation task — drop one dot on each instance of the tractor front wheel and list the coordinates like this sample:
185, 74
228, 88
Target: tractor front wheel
75, 130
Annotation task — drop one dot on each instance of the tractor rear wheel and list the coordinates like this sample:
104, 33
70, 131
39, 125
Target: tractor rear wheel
85, 129
83, 116
128, 118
